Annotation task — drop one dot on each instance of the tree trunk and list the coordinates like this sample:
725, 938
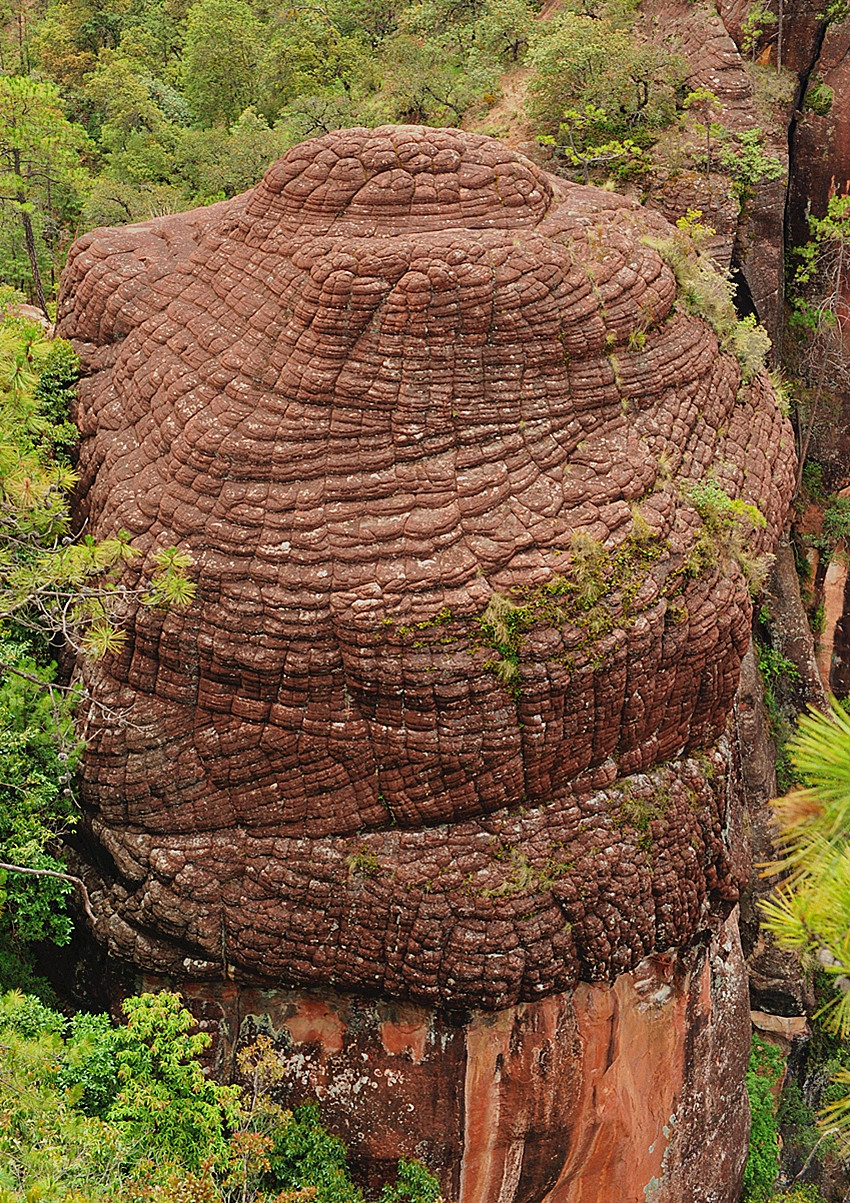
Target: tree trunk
29, 235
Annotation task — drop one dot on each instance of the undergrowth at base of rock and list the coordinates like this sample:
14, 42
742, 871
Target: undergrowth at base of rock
764, 1072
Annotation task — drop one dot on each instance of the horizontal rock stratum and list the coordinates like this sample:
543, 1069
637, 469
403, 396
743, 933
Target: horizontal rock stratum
439, 723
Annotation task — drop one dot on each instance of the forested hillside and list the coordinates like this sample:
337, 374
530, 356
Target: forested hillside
119, 111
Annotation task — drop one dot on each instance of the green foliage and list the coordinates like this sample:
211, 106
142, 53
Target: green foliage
745, 159
776, 668
819, 97
38, 754
836, 521
783, 389
40, 176
413, 1185
50, 586
834, 12
166, 1103
98, 1114
595, 592
306, 1154
221, 57
810, 910
54, 394
799, 1194
727, 527
780, 679
764, 1072
757, 19
597, 91
90, 1065
622, 158
708, 294
819, 273
813, 481
48, 1149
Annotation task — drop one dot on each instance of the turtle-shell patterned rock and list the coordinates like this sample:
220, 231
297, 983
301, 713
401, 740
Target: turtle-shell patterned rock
429, 421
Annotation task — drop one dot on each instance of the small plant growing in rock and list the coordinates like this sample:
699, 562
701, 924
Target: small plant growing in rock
819, 97
708, 293
757, 19
751, 344
706, 104
362, 863
727, 525
748, 163
589, 561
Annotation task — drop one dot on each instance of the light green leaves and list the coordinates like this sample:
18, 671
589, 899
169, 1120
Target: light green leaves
810, 910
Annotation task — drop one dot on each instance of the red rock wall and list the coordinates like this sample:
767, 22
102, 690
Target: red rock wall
392, 383
441, 728
626, 1092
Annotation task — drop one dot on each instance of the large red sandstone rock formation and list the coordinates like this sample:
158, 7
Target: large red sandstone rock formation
440, 724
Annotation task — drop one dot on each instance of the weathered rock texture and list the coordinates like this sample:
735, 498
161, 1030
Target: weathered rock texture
441, 727
394, 382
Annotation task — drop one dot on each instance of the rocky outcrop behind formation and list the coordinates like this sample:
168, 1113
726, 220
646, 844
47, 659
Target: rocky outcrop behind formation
438, 724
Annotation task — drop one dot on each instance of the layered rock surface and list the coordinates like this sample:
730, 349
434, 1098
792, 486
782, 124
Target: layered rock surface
440, 725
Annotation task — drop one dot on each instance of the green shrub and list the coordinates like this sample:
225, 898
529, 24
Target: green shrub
165, 1102
748, 163
413, 1185
819, 97
764, 1072
599, 90
813, 481
836, 520
726, 532
306, 1154
92, 1113
708, 294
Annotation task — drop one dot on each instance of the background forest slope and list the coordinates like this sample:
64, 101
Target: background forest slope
114, 111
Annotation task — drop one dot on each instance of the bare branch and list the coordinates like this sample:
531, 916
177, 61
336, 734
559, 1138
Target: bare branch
77, 881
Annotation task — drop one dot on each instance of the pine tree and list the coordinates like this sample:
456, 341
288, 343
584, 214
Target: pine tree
810, 910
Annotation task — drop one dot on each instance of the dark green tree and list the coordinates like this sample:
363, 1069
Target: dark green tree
40, 175
222, 53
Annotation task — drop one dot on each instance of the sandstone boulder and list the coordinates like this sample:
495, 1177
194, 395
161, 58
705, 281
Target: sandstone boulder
439, 723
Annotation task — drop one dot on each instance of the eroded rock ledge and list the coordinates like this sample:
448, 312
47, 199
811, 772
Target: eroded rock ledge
439, 722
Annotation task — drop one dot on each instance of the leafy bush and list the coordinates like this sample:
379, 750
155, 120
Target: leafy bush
708, 294
813, 481
595, 84
836, 520
98, 1114
165, 1101
745, 159
727, 525
764, 1072
819, 97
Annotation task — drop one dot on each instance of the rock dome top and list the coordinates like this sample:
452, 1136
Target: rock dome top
393, 180
430, 422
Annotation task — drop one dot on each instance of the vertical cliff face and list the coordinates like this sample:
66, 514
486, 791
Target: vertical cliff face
472, 500
628, 1091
